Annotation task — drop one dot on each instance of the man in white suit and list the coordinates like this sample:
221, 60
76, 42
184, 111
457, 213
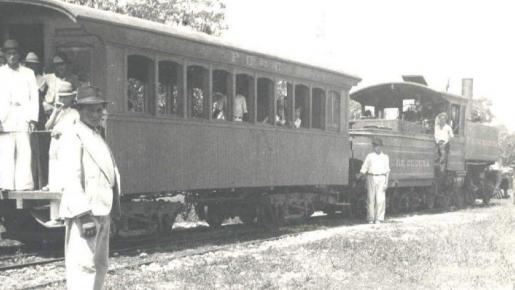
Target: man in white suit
91, 194
19, 112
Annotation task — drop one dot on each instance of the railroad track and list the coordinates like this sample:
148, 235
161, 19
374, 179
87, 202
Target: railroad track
210, 241
150, 244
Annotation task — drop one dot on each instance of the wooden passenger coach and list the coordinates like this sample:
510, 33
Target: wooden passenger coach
161, 83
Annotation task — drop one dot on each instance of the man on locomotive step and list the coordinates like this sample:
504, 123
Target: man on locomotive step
443, 134
91, 194
19, 110
376, 168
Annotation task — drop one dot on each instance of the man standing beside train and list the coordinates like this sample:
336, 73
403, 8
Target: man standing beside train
376, 168
19, 110
91, 194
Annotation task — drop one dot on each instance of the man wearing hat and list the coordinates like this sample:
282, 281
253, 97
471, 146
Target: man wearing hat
376, 168
62, 118
91, 193
19, 109
32, 62
53, 82
443, 134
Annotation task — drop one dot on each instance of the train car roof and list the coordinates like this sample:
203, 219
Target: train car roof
395, 92
77, 12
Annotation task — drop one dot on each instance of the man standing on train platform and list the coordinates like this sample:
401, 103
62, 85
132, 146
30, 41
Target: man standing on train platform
39, 142
443, 134
19, 110
32, 62
376, 168
91, 193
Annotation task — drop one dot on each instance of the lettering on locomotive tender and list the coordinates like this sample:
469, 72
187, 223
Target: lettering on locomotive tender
411, 163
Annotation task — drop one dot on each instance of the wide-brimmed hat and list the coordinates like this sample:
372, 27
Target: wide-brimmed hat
377, 142
57, 60
10, 44
32, 58
443, 115
89, 95
66, 90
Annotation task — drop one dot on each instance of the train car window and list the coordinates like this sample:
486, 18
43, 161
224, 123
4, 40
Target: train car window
283, 96
265, 93
169, 101
318, 108
243, 105
302, 107
222, 95
369, 112
140, 82
198, 88
455, 118
333, 110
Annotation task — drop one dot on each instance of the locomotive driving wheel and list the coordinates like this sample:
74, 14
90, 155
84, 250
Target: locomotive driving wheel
214, 216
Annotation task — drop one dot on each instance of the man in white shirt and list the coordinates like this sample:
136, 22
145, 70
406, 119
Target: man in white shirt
91, 193
376, 168
240, 107
19, 110
443, 134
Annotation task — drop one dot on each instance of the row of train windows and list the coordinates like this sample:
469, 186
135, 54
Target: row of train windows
313, 109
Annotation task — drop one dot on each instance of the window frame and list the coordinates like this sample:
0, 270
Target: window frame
208, 102
150, 103
181, 83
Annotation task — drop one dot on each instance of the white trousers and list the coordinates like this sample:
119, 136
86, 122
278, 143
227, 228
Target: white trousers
86, 259
376, 197
15, 161
54, 168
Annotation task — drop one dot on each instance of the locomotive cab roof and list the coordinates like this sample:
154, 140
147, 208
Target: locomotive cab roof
392, 94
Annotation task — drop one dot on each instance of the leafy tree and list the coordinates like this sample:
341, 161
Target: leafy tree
206, 16
481, 111
507, 147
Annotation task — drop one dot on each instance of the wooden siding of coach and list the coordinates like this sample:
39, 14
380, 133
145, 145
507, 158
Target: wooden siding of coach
171, 154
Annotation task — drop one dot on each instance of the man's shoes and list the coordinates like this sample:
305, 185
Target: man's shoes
378, 222
370, 222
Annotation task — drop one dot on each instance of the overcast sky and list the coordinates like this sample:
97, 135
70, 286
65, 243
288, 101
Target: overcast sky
381, 40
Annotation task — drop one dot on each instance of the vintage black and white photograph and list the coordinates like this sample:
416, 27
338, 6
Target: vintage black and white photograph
257, 144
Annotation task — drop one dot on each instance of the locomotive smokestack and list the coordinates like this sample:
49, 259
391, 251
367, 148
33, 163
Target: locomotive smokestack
467, 88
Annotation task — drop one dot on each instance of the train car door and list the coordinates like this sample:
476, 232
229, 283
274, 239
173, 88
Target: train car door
29, 36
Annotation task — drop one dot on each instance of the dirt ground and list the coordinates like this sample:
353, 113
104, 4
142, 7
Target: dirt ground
467, 249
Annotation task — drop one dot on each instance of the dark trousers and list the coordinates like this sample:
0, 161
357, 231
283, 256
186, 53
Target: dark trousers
443, 155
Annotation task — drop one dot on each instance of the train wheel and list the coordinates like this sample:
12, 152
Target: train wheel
166, 224
113, 229
214, 216
248, 215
